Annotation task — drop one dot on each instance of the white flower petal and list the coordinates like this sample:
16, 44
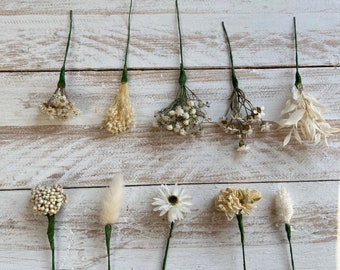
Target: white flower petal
295, 117
287, 139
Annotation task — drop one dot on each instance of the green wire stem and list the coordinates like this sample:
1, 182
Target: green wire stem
167, 246
125, 75
108, 230
61, 82
288, 231
240, 226
182, 77
298, 81
50, 235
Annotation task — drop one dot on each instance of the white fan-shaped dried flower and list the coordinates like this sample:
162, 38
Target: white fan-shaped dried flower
112, 201
120, 115
304, 115
284, 206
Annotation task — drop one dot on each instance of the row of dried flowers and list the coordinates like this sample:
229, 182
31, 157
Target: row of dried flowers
175, 202
303, 115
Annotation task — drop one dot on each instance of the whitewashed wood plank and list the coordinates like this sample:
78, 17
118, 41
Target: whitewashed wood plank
93, 92
98, 41
203, 239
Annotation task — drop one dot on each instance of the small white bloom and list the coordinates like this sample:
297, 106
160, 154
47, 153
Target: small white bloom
169, 127
179, 111
176, 202
265, 127
191, 103
186, 115
242, 148
284, 206
172, 113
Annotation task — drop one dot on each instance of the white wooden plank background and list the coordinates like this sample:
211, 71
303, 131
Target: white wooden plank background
83, 158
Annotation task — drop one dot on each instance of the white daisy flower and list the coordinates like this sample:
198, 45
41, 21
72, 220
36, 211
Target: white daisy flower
175, 202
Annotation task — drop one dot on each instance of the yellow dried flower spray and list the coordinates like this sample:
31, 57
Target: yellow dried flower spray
120, 116
236, 202
59, 106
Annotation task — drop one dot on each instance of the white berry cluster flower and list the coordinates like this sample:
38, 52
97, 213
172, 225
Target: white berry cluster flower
304, 116
48, 200
184, 115
241, 116
59, 106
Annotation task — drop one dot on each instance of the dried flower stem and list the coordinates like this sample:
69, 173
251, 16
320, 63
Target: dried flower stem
288, 231
108, 230
182, 77
61, 82
168, 242
240, 226
125, 75
50, 235
298, 81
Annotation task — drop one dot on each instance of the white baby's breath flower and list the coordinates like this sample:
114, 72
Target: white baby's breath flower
284, 206
304, 116
112, 200
175, 202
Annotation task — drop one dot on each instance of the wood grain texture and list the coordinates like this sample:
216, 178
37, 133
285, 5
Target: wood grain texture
204, 239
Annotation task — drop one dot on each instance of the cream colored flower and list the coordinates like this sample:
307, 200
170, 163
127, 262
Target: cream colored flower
48, 200
59, 106
235, 201
175, 202
120, 115
304, 115
112, 200
284, 206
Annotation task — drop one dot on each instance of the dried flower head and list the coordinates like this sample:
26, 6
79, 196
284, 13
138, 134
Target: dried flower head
48, 200
112, 201
284, 206
241, 114
175, 202
235, 201
304, 116
59, 106
120, 115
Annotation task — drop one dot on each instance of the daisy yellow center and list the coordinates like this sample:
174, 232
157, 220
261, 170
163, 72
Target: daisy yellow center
173, 200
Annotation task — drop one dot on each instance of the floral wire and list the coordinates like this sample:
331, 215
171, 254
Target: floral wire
62, 83
167, 244
182, 76
298, 81
50, 235
108, 230
124, 76
240, 226
288, 231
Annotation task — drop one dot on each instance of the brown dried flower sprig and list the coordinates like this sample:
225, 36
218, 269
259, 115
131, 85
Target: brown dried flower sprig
302, 114
185, 115
236, 202
120, 116
47, 201
59, 106
241, 113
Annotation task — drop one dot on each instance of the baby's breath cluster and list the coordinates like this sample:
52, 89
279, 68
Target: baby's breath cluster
48, 200
241, 116
184, 115
59, 106
120, 115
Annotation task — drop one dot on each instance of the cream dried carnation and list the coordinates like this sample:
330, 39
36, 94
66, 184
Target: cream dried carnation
176, 202
120, 115
304, 115
59, 106
112, 201
236, 201
48, 200
283, 206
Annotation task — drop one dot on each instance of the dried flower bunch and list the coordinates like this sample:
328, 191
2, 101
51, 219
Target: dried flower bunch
241, 113
186, 113
47, 201
59, 106
236, 202
120, 116
284, 211
303, 114
110, 209
175, 203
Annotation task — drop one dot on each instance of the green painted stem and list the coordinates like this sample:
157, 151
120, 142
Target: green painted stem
182, 77
167, 246
50, 235
108, 230
61, 82
240, 226
288, 231
233, 75
298, 81
125, 74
